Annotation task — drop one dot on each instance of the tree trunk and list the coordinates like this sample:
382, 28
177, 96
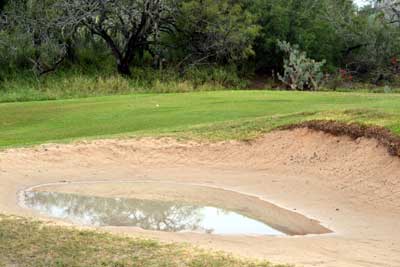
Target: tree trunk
70, 51
123, 69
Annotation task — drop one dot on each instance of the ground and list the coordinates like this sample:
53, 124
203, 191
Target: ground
350, 186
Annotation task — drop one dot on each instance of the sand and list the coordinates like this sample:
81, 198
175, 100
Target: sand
351, 187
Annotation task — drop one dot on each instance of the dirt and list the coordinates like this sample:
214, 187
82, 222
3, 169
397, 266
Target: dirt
351, 186
353, 130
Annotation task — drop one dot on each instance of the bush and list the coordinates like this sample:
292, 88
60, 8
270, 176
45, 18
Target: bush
300, 72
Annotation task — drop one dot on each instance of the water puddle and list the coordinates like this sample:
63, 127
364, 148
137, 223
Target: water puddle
166, 206
155, 215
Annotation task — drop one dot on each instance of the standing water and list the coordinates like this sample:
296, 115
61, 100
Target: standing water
146, 214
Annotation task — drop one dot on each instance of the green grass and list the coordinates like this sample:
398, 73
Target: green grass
213, 115
28, 243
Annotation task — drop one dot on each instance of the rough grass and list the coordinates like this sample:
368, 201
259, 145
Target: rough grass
213, 115
30, 243
78, 83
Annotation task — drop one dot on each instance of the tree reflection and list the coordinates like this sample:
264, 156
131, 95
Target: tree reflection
100, 211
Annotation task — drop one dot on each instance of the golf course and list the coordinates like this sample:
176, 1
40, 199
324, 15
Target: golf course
199, 133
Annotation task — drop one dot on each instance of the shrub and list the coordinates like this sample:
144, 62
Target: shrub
300, 72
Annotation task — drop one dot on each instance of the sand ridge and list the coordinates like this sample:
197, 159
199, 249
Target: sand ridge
351, 186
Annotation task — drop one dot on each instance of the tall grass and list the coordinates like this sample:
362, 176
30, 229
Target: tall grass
25, 86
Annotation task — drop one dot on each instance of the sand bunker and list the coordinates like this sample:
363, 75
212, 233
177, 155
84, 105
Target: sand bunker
351, 186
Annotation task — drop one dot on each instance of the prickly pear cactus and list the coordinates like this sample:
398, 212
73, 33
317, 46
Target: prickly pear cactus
300, 72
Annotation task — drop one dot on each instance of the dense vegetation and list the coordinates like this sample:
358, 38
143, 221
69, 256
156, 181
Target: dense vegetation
53, 49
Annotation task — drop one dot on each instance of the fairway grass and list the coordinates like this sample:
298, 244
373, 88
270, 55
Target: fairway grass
212, 115
28, 243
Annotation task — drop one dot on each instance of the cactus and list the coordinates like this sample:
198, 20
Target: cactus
300, 72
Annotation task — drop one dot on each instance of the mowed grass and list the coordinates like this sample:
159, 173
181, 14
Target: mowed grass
29, 243
212, 115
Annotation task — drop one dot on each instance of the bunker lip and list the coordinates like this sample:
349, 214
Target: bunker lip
288, 222
353, 130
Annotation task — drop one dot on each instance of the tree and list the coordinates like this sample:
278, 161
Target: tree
391, 10
126, 26
2, 4
216, 31
29, 28
370, 39
298, 22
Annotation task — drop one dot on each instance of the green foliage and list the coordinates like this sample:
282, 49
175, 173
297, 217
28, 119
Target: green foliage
370, 41
300, 72
214, 31
185, 37
373, 61
31, 37
298, 22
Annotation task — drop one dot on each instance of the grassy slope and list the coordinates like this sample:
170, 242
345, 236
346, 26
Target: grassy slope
217, 115
27, 243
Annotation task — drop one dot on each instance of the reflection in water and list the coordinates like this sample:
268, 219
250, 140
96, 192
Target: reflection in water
146, 214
